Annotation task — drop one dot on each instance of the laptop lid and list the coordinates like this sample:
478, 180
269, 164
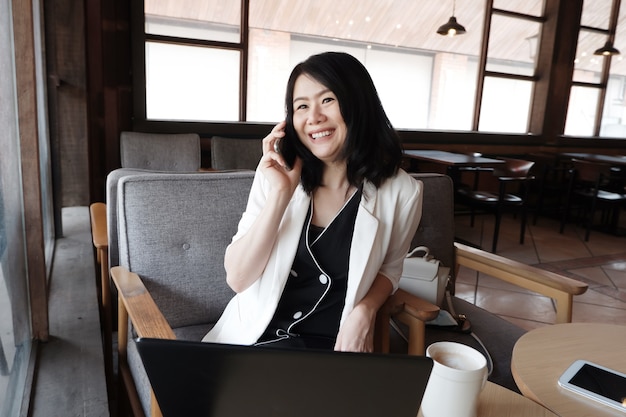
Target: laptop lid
217, 380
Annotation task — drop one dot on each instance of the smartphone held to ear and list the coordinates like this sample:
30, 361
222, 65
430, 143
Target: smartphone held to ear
596, 382
286, 147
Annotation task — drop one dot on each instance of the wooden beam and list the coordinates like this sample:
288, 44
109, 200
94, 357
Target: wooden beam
25, 52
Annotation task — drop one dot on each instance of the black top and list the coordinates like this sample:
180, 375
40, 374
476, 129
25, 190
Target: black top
310, 308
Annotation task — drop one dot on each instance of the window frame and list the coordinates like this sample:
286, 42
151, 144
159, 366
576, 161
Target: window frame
550, 95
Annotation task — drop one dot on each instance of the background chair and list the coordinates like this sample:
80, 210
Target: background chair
234, 153
548, 190
589, 188
511, 194
160, 152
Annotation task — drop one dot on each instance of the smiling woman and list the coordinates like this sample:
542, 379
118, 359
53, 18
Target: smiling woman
321, 245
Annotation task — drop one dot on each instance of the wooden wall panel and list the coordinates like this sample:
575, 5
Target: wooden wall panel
68, 100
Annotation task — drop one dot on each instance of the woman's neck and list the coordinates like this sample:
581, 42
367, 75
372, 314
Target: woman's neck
330, 197
335, 177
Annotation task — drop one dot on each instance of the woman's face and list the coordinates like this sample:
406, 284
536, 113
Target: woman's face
317, 119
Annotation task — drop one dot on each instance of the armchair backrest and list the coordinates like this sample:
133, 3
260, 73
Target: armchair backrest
111, 203
235, 153
160, 151
436, 228
515, 168
176, 227
592, 173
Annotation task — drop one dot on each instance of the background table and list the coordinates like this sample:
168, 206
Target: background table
496, 401
614, 160
542, 355
452, 159
450, 163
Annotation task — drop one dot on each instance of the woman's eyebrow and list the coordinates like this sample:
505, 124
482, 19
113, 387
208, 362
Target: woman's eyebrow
321, 93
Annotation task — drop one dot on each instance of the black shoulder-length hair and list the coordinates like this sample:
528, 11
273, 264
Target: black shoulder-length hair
372, 149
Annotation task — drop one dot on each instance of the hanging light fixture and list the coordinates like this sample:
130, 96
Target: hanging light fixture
607, 50
452, 27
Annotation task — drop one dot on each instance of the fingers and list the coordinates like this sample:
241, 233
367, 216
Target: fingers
270, 141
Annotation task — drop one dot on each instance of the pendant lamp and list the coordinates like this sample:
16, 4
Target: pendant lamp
607, 50
452, 27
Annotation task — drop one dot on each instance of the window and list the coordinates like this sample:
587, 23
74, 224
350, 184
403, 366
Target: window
15, 334
510, 66
194, 55
596, 105
228, 62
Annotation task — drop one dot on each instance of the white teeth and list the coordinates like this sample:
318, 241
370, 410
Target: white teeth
321, 134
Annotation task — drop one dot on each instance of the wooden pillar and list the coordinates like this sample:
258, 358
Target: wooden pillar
23, 27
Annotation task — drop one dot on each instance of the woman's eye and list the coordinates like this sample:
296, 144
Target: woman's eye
301, 107
328, 99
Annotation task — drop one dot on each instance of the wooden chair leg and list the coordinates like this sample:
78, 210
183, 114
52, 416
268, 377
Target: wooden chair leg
496, 231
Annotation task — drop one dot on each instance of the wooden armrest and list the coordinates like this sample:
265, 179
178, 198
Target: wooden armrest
558, 287
98, 215
410, 310
142, 310
404, 302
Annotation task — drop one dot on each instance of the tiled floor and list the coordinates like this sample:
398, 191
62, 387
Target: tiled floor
600, 262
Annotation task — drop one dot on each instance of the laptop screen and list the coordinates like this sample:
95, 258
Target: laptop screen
216, 380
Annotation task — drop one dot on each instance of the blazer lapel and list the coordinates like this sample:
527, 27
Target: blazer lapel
291, 228
365, 231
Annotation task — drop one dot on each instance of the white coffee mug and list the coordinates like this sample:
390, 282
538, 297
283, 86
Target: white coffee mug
459, 374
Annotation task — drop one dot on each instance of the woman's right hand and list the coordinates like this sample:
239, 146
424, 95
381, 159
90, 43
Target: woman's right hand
273, 164
246, 258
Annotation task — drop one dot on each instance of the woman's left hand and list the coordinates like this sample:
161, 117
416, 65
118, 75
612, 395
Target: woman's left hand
357, 332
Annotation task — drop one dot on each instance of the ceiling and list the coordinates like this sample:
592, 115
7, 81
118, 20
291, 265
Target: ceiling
403, 23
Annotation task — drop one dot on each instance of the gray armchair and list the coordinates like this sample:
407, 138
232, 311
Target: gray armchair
173, 231
174, 228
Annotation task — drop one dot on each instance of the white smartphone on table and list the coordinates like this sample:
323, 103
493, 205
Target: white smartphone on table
596, 382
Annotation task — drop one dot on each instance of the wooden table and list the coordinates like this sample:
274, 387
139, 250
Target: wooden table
451, 162
614, 160
496, 401
542, 355
452, 159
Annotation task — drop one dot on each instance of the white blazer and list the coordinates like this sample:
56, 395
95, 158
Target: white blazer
385, 224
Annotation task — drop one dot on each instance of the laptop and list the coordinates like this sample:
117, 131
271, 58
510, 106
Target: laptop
216, 380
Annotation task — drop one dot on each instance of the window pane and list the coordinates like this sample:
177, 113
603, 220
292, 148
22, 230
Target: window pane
614, 116
581, 111
214, 20
191, 83
596, 13
533, 8
15, 334
587, 66
512, 45
505, 105
425, 80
